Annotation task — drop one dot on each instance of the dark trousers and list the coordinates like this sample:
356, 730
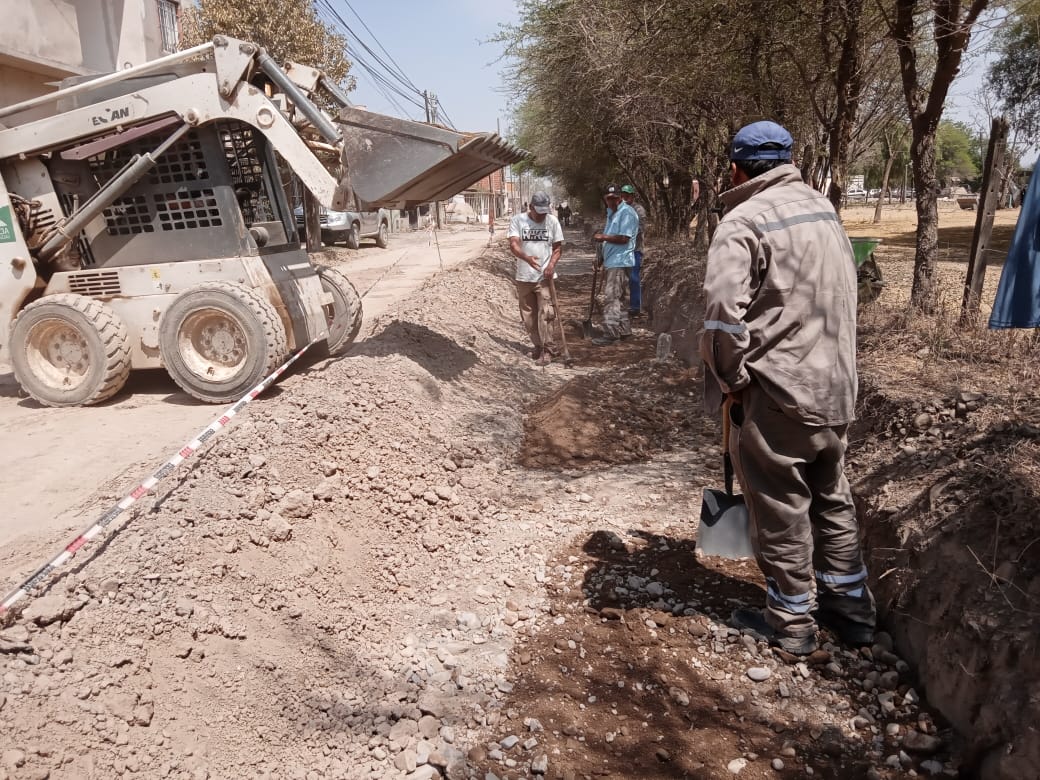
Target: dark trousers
804, 528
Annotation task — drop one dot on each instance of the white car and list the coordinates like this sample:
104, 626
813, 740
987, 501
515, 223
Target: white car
855, 194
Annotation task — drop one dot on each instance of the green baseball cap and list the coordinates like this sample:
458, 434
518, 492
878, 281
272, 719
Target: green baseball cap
628, 189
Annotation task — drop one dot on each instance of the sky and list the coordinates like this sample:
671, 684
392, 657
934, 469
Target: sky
440, 46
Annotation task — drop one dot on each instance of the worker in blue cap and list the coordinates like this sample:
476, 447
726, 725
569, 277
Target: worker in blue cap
779, 342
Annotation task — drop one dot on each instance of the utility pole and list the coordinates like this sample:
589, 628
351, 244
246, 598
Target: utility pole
431, 118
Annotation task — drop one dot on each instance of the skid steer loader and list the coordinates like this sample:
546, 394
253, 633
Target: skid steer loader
144, 221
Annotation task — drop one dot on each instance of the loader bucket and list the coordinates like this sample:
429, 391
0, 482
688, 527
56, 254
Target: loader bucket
396, 163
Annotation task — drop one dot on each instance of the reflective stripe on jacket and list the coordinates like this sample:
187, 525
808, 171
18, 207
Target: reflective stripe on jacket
780, 299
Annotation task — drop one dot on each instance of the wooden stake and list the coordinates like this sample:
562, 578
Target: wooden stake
984, 221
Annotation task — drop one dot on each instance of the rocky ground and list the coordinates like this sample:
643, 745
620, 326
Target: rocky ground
433, 559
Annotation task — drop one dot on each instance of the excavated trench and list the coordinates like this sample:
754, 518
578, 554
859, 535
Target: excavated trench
947, 490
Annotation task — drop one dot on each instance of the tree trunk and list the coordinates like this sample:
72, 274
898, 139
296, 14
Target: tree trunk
884, 186
925, 292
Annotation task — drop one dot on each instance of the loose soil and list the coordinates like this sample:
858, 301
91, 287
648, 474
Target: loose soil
432, 558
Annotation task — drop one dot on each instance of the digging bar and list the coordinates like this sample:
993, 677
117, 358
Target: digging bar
568, 361
724, 529
586, 324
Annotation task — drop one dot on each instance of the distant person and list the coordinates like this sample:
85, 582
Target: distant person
628, 194
566, 214
618, 241
536, 241
779, 341
559, 213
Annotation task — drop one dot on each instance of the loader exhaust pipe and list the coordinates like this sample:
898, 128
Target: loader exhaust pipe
281, 79
130, 174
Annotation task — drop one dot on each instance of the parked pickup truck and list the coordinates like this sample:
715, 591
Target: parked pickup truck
351, 226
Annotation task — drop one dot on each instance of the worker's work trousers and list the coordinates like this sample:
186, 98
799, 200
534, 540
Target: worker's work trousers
615, 312
803, 522
536, 309
635, 299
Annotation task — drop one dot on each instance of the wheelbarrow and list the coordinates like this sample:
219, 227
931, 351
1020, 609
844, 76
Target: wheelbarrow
868, 273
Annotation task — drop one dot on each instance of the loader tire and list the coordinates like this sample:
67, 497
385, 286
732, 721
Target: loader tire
218, 340
343, 315
70, 350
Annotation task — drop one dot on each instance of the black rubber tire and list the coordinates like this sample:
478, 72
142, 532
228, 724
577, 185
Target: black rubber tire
353, 236
246, 316
346, 314
104, 349
383, 236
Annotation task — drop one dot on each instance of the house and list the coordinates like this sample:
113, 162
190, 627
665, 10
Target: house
45, 41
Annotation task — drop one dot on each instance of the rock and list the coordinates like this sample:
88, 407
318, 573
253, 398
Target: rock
585, 498
13, 758
509, 742
655, 588
184, 607
778, 764
143, 714
372, 472
50, 609
889, 680
679, 696
759, 673
921, 743
533, 724
736, 766
540, 765
932, 767
425, 772
468, 620
402, 730
277, 528
120, 704
923, 421
429, 726
298, 504
477, 754
662, 755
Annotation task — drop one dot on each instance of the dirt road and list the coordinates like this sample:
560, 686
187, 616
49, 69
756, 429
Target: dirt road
58, 466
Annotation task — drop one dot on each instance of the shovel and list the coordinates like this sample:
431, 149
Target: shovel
568, 361
724, 528
586, 324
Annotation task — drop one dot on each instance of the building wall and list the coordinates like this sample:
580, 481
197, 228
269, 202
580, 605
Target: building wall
43, 41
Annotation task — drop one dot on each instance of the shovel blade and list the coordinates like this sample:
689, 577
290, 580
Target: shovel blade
724, 529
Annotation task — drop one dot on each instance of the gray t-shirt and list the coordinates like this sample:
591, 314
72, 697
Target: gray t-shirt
537, 239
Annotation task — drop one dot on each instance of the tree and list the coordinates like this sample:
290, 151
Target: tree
957, 153
1015, 75
287, 29
931, 37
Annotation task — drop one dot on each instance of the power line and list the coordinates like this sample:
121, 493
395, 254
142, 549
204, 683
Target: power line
387, 78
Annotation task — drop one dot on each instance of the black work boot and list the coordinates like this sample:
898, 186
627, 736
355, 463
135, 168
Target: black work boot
753, 622
849, 632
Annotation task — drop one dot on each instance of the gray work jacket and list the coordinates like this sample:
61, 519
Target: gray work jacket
780, 299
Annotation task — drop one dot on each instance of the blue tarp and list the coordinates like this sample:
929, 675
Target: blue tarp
1018, 296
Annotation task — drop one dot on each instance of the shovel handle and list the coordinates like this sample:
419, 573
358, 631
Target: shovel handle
727, 460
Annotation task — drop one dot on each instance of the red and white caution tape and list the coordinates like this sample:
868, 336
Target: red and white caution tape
145, 487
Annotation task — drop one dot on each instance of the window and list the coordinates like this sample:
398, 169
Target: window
168, 25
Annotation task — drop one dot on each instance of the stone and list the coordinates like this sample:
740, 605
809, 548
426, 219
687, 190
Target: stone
120, 704
425, 772
143, 714
778, 764
468, 620
759, 673
679, 696
921, 743
429, 726
509, 742
402, 730
889, 680
540, 765
13, 758
297, 504
584, 498
277, 528
736, 766
932, 767
50, 609
923, 421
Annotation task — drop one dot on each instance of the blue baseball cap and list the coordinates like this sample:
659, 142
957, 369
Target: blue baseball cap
763, 140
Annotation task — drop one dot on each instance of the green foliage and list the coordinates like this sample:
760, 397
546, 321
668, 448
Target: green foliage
957, 153
1015, 75
288, 29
